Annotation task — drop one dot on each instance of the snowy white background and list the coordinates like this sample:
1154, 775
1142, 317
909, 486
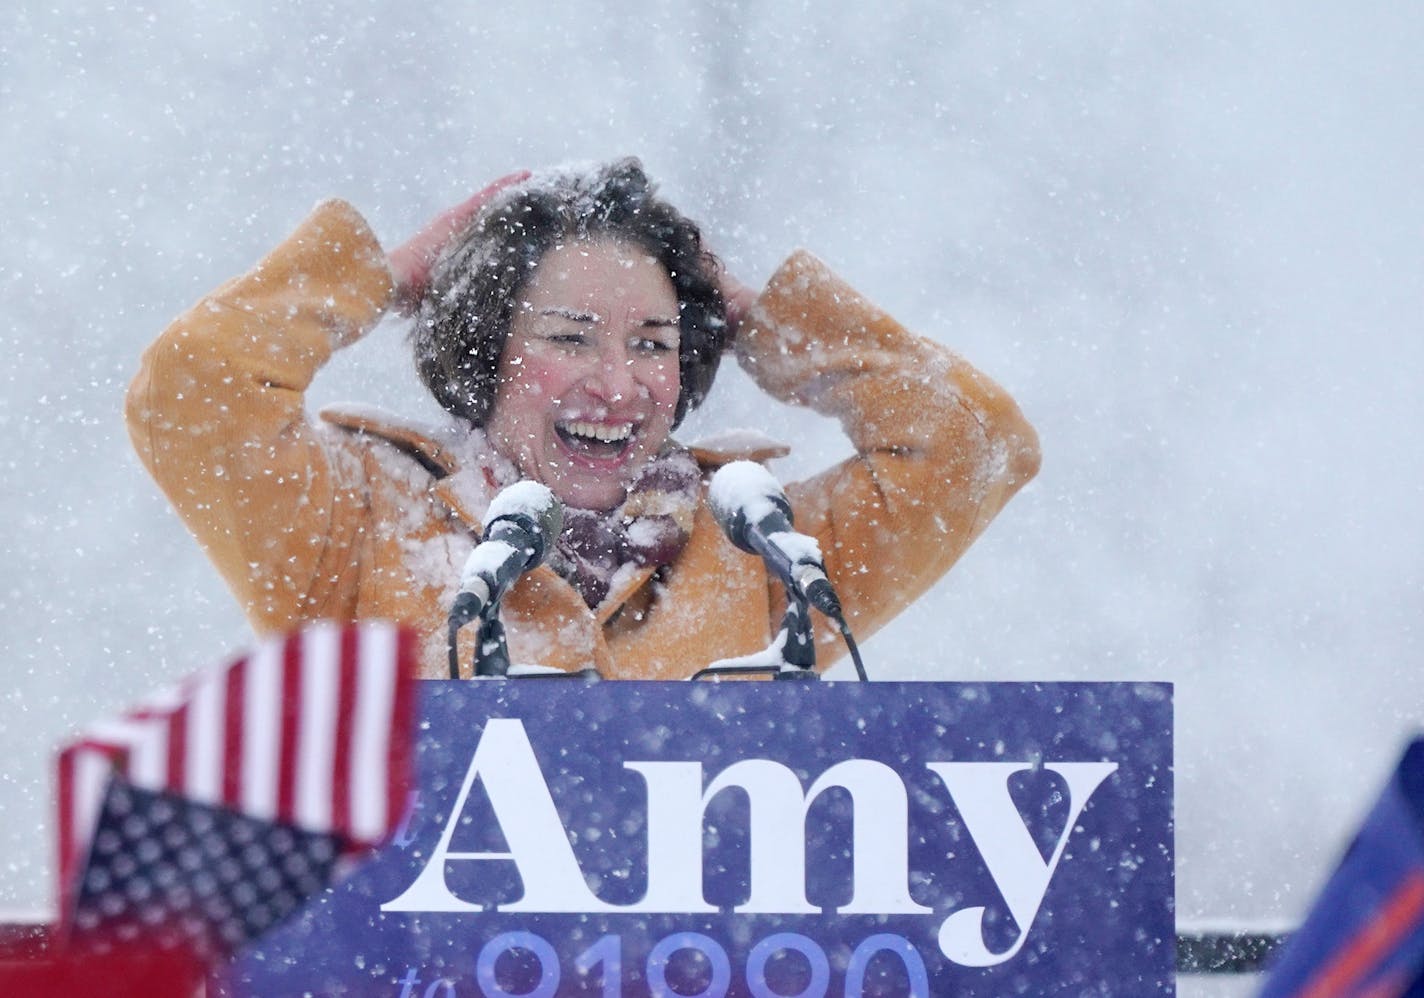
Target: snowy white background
1187, 237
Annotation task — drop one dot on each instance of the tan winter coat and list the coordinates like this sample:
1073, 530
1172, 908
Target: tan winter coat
359, 516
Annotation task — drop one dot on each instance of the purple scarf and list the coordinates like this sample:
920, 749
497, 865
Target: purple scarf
651, 527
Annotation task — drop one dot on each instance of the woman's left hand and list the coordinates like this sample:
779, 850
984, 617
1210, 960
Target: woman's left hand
739, 300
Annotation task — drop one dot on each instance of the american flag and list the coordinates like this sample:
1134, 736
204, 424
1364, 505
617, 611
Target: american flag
214, 809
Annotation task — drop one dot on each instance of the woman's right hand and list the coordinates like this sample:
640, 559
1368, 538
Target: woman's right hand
410, 262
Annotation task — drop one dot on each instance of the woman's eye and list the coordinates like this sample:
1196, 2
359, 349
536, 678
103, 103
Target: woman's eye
646, 345
566, 339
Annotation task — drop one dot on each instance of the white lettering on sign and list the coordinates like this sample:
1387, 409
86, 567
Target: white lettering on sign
677, 802
538, 843
981, 792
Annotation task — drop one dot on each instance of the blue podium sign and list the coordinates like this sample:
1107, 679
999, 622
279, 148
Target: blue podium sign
761, 839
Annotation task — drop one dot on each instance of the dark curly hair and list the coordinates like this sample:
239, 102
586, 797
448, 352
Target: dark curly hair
464, 319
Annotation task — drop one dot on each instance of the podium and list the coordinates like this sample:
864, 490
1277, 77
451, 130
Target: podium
653, 838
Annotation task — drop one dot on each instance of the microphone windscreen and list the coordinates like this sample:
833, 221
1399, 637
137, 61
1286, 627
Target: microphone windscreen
530, 500
744, 492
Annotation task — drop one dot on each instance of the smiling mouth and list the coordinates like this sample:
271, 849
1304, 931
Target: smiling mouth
598, 441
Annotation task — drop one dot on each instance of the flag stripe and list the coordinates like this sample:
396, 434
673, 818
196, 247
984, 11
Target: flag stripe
262, 732
206, 739
342, 778
316, 752
375, 702
84, 771
92, 770
400, 653
93, 762
68, 838
177, 776
234, 703
148, 759
135, 744
291, 719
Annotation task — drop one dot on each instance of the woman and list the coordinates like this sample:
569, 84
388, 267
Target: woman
566, 323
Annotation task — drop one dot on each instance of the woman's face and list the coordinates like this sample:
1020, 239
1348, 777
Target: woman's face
588, 381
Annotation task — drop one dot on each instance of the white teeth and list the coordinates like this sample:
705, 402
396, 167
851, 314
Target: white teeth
598, 431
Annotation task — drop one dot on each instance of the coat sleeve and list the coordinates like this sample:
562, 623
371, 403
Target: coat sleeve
217, 416
940, 448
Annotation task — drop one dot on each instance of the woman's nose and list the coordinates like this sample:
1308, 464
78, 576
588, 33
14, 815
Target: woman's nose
612, 380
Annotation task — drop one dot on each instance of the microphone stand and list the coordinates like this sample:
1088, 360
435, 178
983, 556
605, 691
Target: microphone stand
798, 639
791, 654
491, 650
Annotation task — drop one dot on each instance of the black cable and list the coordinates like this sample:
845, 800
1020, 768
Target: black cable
454, 652
854, 651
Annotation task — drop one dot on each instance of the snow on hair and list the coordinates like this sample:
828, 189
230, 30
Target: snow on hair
464, 320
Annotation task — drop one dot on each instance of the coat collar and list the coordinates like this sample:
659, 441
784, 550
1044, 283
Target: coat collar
454, 448
468, 473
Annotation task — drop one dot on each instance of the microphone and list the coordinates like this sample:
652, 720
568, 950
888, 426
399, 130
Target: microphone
521, 524
752, 509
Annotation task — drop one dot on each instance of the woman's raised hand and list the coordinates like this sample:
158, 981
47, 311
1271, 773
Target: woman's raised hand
739, 299
410, 262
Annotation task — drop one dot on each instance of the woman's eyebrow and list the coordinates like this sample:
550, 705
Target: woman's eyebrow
573, 315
